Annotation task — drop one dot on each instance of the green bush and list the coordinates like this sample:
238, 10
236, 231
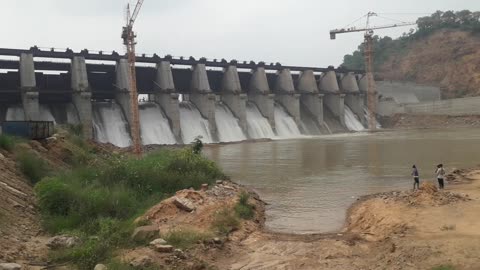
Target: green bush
32, 166
7, 142
243, 209
185, 238
225, 221
103, 199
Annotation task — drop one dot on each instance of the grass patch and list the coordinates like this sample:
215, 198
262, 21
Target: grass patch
243, 209
102, 199
7, 142
32, 166
444, 267
185, 238
226, 221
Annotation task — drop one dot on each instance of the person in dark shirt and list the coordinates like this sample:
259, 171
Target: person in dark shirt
416, 177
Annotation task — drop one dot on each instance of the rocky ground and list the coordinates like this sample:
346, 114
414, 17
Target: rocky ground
409, 121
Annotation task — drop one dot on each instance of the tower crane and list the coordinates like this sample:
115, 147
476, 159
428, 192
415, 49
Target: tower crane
128, 37
368, 53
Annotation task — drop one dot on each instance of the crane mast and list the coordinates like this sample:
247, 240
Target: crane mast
128, 37
368, 53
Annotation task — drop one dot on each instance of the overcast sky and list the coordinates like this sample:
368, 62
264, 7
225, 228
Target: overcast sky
292, 32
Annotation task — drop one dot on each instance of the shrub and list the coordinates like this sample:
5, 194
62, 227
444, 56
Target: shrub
243, 209
225, 221
32, 166
185, 238
103, 198
7, 142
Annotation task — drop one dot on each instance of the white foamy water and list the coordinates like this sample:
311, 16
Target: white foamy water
154, 125
193, 124
258, 126
284, 124
15, 113
109, 124
228, 126
351, 120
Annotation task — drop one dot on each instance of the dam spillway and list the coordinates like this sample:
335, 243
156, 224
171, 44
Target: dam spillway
227, 101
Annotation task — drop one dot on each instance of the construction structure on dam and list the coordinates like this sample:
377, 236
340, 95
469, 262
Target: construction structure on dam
180, 98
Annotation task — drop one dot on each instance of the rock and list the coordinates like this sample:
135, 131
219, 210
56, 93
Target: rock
51, 139
179, 254
163, 248
204, 187
184, 204
10, 266
217, 240
219, 182
145, 233
141, 262
2, 156
158, 241
63, 241
393, 248
100, 267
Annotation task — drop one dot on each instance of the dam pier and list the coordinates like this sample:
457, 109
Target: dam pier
180, 98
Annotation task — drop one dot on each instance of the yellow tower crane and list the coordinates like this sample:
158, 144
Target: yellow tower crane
368, 53
128, 37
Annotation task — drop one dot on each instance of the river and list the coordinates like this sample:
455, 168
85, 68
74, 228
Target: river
309, 183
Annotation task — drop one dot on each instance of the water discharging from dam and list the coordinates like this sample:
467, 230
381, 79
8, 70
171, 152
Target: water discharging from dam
284, 124
109, 124
154, 125
193, 124
351, 120
228, 126
258, 126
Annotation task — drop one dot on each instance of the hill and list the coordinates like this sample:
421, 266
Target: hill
443, 51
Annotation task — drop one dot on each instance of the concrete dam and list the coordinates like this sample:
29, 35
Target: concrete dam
179, 98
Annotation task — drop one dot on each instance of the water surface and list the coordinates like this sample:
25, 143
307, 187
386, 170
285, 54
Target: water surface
310, 182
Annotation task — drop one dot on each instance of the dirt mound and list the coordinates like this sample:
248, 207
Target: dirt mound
19, 218
427, 195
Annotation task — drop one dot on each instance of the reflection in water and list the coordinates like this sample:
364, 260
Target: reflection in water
309, 183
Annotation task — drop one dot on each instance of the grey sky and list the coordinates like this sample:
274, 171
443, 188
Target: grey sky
292, 32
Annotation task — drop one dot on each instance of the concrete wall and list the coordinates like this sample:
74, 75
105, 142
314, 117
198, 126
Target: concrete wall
354, 99
259, 94
310, 97
333, 98
81, 96
456, 107
166, 97
203, 97
28, 84
122, 93
285, 95
233, 97
408, 92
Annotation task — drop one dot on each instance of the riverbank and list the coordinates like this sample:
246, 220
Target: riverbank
396, 230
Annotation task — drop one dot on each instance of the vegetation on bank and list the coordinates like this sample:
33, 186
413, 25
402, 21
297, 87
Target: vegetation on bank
385, 47
100, 195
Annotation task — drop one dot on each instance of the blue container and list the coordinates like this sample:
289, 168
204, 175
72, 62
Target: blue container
29, 129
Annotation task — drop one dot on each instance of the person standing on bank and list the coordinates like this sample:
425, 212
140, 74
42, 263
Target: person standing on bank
416, 178
440, 172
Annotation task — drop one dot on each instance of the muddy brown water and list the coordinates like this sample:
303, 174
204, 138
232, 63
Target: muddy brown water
309, 183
